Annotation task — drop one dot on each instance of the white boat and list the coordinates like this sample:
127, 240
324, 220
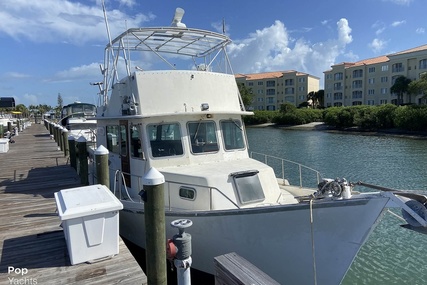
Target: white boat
75, 117
187, 124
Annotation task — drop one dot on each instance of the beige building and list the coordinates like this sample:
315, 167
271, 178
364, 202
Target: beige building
271, 89
369, 81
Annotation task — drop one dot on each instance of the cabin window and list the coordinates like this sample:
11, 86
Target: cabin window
203, 136
232, 133
187, 193
165, 139
113, 139
136, 145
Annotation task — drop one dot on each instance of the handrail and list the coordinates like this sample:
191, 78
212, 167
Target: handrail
119, 173
282, 164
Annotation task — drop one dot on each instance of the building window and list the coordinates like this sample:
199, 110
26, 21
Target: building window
423, 64
357, 84
270, 92
328, 95
371, 80
290, 99
250, 84
270, 100
397, 67
383, 101
338, 96
338, 86
357, 73
260, 99
271, 83
384, 79
301, 88
301, 80
337, 104
371, 102
384, 68
356, 94
338, 76
383, 90
289, 90
356, 103
371, 91
289, 82
260, 83
260, 91
328, 76
371, 69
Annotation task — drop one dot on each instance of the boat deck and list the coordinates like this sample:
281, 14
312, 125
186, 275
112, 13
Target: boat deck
32, 241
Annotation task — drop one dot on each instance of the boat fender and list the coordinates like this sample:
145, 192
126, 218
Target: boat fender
418, 208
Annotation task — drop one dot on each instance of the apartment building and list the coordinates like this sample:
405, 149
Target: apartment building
369, 81
271, 89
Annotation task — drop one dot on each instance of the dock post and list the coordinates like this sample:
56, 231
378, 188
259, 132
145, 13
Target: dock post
73, 153
102, 171
83, 165
1, 131
60, 138
181, 254
154, 209
65, 141
9, 126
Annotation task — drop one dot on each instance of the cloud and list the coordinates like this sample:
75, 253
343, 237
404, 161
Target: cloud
56, 21
272, 48
377, 45
86, 72
379, 27
30, 99
399, 2
398, 23
420, 30
16, 75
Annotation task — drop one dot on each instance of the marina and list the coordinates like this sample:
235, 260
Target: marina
33, 248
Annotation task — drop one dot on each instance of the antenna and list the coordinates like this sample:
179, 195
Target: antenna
176, 21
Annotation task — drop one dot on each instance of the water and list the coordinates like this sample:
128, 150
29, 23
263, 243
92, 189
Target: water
392, 255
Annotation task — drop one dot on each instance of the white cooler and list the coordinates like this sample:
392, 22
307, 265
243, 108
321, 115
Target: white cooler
90, 219
4, 145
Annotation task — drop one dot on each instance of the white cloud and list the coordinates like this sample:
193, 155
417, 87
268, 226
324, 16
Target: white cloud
63, 21
272, 49
398, 23
379, 27
87, 72
377, 45
400, 2
16, 75
420, 30
30, 99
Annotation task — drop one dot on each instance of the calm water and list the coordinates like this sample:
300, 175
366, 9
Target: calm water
392, 255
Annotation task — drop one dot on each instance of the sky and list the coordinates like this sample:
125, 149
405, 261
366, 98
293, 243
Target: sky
51, 47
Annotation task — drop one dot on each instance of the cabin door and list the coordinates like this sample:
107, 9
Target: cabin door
124, 153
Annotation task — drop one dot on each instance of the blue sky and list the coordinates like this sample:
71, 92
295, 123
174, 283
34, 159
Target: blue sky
55, 46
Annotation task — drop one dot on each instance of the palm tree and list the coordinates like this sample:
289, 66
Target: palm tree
400, 87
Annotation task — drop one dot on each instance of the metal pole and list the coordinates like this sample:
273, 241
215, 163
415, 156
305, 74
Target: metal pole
154, 210
102, 171
183, 260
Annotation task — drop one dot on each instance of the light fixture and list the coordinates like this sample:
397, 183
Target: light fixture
204, 107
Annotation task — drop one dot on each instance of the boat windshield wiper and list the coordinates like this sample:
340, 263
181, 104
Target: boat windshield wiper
237, 125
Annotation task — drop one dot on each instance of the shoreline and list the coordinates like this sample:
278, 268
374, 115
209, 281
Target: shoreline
320, 126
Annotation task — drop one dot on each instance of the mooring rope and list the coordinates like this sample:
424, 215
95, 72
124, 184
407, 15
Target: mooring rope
313, 249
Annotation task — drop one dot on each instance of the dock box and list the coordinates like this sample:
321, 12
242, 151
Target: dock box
90, 219
4, 145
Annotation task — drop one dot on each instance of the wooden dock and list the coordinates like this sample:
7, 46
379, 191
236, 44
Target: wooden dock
32, 241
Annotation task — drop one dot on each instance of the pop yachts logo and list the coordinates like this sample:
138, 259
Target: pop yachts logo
18, 276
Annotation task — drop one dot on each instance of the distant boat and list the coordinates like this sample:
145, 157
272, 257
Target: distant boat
75, 117
187, 124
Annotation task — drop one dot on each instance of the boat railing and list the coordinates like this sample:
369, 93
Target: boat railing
293, 172
121, 190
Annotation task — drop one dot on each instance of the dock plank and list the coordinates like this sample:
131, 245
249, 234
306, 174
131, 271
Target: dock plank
30, 233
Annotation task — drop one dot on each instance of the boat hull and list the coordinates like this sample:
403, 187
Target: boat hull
280, 240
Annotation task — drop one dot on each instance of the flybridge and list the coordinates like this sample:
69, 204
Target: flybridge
204, 48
